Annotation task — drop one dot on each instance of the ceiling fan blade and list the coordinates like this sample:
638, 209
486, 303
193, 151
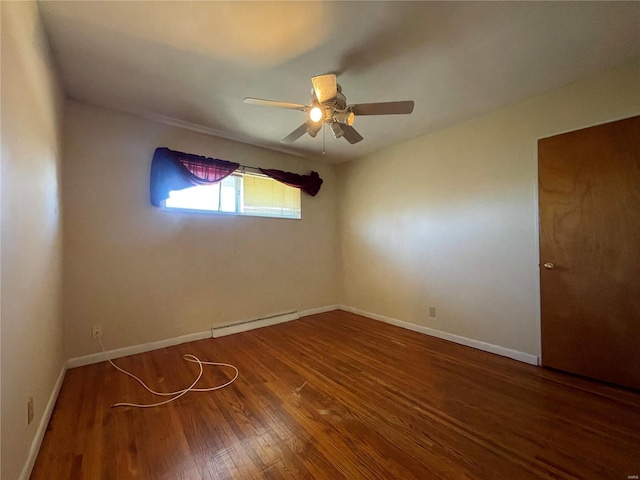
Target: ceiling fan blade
296, 134
325, 86
274, 103
351, 134
383, 108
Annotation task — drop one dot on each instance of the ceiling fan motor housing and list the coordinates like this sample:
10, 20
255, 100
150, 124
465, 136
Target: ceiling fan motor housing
339, 102
335, 110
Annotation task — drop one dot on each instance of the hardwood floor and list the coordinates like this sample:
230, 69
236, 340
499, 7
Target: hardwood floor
338, 396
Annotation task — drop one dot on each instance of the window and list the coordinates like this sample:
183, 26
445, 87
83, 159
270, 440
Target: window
239, 194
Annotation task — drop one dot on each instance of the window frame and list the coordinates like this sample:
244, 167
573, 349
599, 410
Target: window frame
238, 201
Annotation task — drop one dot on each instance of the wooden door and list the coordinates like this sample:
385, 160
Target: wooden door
589, 200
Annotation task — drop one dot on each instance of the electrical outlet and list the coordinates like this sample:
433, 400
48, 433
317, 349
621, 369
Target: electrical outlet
30, 412
432, 311
96, 331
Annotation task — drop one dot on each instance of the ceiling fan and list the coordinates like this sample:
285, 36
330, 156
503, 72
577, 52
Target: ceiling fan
329, 106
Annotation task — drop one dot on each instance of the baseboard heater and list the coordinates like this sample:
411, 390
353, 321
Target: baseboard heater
245, 325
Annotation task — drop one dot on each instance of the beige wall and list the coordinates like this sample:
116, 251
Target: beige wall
145, 274
450, 219
32, 350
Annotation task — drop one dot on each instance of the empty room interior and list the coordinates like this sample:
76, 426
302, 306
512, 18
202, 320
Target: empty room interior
332, 240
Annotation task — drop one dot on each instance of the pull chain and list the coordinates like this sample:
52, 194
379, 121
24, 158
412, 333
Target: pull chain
324, 139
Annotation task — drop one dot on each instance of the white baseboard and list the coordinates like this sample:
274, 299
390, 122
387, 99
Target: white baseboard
134, 349
42, 427
215, 332
469, 342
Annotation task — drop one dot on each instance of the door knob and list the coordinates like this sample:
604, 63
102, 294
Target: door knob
549, 266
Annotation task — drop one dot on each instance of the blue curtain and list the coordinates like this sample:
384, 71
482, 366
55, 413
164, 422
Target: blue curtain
171, 170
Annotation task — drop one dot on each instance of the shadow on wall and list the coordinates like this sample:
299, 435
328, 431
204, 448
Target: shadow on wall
464, 253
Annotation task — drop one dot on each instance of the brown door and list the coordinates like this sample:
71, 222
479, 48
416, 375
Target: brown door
589, 193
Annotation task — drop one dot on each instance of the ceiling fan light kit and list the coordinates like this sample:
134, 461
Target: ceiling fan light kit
344, 117
329, 106
337, 130
312, 129
316, 114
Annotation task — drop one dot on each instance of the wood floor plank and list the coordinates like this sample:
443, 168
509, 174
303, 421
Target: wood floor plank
338, 396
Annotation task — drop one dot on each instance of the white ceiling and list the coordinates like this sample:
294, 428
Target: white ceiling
192, 63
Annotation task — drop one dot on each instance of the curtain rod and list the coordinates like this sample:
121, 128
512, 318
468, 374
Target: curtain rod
249, 167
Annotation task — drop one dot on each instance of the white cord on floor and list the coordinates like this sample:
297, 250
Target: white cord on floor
188, 357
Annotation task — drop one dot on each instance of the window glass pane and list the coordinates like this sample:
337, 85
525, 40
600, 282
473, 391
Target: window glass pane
268, 197
228, 196
245, 194
202, 197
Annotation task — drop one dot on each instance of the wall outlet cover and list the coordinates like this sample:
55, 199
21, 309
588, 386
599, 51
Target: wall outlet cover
96, 331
